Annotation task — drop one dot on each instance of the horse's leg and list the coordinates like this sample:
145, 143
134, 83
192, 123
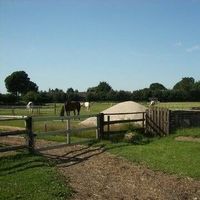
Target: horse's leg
78, 112
74, 113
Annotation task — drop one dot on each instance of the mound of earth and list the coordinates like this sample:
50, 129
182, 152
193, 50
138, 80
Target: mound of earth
124, 107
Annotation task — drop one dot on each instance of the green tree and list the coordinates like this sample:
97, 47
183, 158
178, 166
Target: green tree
31, 96
157, 86
197, 85
103, 87
186, 84
19, 83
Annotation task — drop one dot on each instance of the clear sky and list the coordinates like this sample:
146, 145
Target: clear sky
78, 43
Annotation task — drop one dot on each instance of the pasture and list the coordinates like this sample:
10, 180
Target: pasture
165, 154
45, 125
179, 105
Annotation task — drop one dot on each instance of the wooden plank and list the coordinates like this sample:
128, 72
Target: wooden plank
83, 129
48, 118
128, 113
12, 148
53, 132
11, 118
123, 121
18, 132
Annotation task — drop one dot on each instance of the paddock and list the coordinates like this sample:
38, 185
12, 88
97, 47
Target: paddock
96, 166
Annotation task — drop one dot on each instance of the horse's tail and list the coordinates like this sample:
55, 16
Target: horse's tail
62, 111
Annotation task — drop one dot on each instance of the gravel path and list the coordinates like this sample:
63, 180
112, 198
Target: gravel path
96, 174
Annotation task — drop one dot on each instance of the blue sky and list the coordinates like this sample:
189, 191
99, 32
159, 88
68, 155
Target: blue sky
78, 43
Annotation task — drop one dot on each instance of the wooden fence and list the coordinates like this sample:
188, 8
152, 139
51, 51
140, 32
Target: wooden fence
31, 136
27, 131
53, 109
155, 121
158, 121
69, 129
105, 120
15, 110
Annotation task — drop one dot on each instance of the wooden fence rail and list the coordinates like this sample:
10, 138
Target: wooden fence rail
37, 109
27, 131
156, 121
107, 121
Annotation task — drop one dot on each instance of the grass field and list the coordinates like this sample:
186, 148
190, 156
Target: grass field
179, 105
29, 177
26, 176
50, 110
164, 154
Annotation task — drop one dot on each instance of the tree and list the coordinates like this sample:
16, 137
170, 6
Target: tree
197, 85
103, 87
31, 96
19, 83
157, 86
186, 84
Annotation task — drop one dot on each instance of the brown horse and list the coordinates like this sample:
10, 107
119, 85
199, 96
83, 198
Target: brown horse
70, 106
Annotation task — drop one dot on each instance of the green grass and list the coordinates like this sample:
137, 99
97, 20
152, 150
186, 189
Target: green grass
164, 154
178, 105
49, 109
25, 176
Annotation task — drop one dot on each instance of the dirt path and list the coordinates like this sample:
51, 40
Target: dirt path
96, 174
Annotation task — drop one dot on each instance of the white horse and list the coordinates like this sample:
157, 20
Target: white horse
86, 105
153, 102
29, 106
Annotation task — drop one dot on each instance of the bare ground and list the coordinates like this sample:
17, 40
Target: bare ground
96, 174
187, 139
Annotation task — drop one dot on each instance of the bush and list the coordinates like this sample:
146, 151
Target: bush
136, 137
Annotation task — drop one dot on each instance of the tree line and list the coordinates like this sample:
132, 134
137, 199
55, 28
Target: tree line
22, 90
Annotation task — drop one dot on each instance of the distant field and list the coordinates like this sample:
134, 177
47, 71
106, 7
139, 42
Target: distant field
52, 109
179, 105
96, 107
175, 105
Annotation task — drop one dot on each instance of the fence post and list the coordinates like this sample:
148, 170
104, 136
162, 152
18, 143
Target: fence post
143, 117
68, 131
55, 109
98, 128
168, 122
13, 110
108, 125
100, 125
31, 142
